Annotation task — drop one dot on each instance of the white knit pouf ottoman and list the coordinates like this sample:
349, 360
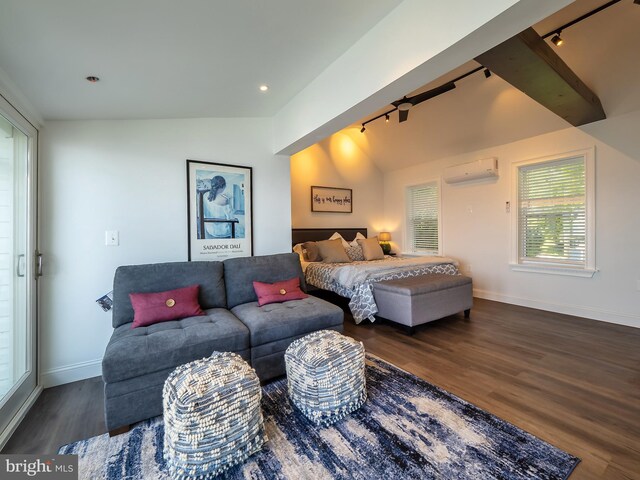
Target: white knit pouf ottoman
212, 416
325, 375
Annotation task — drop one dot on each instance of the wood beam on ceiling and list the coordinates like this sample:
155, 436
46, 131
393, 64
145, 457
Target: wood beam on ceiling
528, 63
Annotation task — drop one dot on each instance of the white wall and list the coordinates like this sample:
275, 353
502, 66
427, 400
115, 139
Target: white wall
10, 91
338, 161
131, 176
476, 228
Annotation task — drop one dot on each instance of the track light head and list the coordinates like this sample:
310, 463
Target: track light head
557, 39
362, 129
487, 73
386, 117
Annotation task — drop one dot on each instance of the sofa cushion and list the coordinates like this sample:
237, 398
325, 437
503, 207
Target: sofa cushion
159, 277
159, 307
241, 272
282, 320
279, 292
141, 351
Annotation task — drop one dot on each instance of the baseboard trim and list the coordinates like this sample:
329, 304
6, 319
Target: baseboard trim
567, 309
19, 416
71, 373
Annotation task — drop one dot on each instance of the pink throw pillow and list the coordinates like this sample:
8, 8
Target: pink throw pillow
279, 291
150, 308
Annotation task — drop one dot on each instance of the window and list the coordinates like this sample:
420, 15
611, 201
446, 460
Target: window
554, 214
423, 218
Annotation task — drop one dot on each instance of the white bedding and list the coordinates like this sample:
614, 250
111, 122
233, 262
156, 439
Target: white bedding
350, 274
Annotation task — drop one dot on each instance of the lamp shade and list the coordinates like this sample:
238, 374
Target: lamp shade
384, 237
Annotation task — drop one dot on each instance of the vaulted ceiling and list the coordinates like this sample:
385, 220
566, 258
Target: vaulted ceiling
481, 112
197, 58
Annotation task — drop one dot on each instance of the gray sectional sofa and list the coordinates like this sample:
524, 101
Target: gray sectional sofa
137, 361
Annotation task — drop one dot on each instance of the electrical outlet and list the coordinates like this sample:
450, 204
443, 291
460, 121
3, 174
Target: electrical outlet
111, 238
469, 268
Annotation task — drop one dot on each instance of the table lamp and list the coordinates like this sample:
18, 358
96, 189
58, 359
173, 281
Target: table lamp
384, 238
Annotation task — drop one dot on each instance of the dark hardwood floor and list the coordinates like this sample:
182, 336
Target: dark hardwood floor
61, 415
572, 382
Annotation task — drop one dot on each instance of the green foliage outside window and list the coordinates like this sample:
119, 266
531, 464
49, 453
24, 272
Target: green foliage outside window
552, 211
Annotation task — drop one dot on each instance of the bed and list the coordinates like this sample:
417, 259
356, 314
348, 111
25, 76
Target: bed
355, 280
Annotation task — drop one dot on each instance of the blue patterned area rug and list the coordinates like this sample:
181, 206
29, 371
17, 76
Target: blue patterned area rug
407, 428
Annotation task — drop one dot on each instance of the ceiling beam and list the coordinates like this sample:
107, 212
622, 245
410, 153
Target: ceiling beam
528, 63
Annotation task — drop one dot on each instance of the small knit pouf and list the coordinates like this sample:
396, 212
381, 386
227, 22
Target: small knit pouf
325, 376
212, 416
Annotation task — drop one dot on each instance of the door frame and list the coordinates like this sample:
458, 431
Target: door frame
22, 407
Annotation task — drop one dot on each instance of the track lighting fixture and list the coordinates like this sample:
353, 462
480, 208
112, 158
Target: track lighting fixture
404, 104
386, 117
362, 129
557, 39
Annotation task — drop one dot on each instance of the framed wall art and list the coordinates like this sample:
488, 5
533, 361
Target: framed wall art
330, 199
219, 211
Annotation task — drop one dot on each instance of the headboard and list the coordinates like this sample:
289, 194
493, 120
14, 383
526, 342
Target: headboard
301, 235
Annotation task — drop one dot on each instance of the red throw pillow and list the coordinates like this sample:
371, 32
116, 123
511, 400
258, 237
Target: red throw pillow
150, 308
279, 291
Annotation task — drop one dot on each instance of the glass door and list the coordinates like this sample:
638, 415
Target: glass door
18, 365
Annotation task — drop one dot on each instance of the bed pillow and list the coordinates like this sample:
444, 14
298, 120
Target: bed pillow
359, 236
150, 308
355, 253
332, 251
279, 292
336, 235
297, 248
311, 252
371, 248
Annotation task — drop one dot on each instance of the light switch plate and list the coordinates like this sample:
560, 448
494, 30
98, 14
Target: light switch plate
111, 238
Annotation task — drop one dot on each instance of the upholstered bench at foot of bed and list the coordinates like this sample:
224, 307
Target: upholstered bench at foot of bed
416, 300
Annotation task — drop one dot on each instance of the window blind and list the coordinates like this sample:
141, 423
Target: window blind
552, 217
423, 205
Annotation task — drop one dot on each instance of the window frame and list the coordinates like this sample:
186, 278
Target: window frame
589, 268
408, 227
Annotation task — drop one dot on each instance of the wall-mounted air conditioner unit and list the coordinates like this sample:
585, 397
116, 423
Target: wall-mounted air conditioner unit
485, 168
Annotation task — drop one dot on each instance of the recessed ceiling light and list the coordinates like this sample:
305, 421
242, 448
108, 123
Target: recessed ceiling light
264, 88
93, 79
